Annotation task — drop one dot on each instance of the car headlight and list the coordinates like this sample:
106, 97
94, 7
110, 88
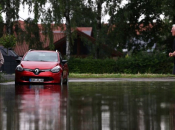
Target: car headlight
19, 68
56, 69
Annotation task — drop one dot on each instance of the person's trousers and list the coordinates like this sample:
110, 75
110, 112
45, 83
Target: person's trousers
173, 69
0, 66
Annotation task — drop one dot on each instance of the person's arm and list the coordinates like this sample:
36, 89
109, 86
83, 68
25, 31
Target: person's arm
2, 59
172, 54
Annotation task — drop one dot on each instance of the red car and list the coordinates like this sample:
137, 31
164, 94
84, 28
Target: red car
42, 66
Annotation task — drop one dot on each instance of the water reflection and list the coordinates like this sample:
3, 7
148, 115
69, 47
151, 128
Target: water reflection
88, 106
123, 106
41, 107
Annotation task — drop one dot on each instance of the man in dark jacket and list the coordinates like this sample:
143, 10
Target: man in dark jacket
172, 54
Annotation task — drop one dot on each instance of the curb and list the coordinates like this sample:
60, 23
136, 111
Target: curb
7, 77
11, 77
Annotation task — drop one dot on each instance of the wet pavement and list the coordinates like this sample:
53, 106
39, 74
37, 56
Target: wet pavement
93, 105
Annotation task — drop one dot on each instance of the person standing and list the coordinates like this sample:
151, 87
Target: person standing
1, 60
172, 54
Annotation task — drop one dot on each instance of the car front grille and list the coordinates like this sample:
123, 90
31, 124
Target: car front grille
37, 71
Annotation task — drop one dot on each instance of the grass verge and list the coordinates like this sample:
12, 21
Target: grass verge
75, 75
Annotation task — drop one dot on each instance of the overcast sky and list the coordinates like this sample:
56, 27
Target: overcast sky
23, 13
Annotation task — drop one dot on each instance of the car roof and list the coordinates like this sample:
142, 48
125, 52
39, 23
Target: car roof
31, 50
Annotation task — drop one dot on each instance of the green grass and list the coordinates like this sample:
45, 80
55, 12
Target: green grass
75, 75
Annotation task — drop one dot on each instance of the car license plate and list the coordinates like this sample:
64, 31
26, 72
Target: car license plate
36, 80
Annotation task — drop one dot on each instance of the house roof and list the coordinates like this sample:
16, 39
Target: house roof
83, 31
58, 35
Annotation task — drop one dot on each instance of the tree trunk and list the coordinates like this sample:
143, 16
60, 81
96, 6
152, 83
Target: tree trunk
8, 18
97, 48
68, 32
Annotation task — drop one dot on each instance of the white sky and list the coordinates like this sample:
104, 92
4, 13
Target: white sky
23, 13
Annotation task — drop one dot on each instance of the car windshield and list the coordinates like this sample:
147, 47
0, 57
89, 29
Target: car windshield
41, 56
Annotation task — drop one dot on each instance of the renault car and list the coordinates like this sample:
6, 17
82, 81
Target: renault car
42, 66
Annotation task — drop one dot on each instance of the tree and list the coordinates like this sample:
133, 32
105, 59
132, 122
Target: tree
101, 29
67, 9
1, 20
8, 41
58, 10
96, 7
84, 17
31, 34
139, 21
11, 9
1, 23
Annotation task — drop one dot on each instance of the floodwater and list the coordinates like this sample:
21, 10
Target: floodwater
88, 106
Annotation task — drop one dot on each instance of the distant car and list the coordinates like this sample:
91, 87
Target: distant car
42, 66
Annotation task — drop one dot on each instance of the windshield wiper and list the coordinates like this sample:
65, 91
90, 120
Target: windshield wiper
43, 60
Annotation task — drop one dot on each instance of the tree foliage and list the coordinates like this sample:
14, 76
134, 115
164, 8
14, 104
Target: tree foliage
8, 41
32, 34
57, 12
11, 9
129, 25
1, 23
140, 21
1, 20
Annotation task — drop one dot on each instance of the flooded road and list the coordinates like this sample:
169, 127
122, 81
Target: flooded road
88, 106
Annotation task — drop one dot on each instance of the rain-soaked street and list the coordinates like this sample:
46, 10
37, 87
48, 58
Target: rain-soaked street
121, 105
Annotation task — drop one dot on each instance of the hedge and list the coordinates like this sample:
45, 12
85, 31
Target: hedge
149, 63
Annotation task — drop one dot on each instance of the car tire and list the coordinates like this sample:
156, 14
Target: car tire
16, 83
66, 80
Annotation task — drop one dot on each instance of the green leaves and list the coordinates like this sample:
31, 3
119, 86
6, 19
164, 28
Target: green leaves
32, 34
1, 20
143, 63
8, 41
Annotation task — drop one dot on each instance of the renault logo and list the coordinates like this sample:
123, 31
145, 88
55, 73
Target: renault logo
36, 71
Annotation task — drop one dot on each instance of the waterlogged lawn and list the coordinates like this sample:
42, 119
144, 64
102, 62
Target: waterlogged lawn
122, 105
74, 75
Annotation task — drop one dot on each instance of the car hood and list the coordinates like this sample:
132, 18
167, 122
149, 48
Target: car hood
36, 64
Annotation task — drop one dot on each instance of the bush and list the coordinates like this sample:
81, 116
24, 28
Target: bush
143, 63
77, 65
149, 63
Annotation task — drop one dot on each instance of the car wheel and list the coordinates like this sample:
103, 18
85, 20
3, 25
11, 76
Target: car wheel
16, 83
66, 80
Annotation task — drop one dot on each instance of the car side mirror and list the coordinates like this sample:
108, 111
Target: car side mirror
64, 61
18, 60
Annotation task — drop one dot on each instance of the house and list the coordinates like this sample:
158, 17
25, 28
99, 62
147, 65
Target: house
59, 40
80, 48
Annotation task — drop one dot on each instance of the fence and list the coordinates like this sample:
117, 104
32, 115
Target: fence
9, 64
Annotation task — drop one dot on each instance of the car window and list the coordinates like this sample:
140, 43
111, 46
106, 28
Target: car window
41, 56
